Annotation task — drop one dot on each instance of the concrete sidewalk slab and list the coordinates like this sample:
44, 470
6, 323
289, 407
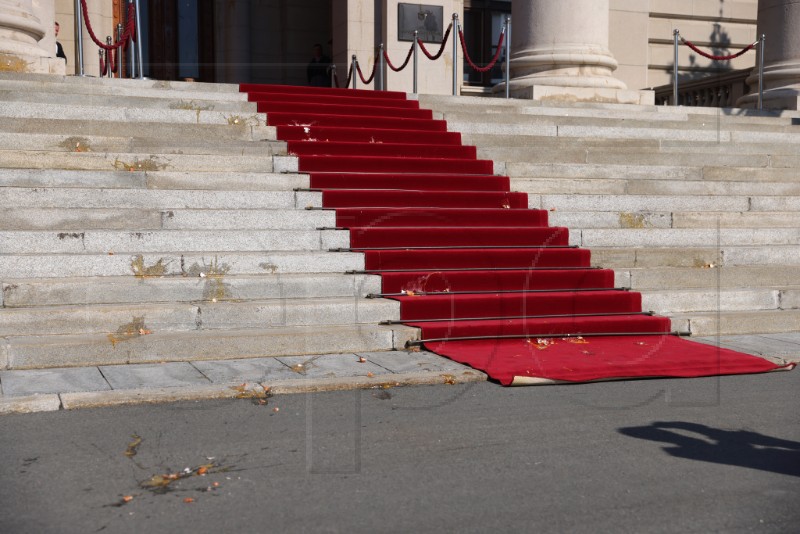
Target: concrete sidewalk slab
158, 375
43, 381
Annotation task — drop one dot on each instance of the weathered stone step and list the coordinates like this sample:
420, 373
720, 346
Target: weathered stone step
594, 186
156, 199
208, 262
125, 319
196, 180
165, 241
618, 257
106, 161
742, 322
739, 276
726, 300
633, 203
81, 219
86, 350
134, 145
677, 219
221, 286
149, 100
127, 114
681, 237
233, 130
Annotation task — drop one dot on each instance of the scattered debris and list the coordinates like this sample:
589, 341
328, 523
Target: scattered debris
133, 446
449, 379
257, 393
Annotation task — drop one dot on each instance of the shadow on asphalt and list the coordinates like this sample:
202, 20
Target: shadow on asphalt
741, 448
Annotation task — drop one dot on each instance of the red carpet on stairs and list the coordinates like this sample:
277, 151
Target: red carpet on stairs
487, 281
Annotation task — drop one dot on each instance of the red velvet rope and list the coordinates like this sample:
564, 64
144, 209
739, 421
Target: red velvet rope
719, 58
405, 63
434, 57
130, 28
349, 76
371, 76
494, 59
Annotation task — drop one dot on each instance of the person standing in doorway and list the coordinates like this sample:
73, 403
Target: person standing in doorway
59, 49
319, 68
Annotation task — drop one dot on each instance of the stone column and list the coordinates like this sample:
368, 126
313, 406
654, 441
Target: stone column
559, 51
20, 33
779, 20
232, 40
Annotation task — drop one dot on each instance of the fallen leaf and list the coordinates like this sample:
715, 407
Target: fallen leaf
449, 379
361, 359
188, 500
133, 446
127, 498
370, 375
202, 470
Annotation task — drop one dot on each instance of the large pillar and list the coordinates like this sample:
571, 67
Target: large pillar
559, 51
779, 20
20, 33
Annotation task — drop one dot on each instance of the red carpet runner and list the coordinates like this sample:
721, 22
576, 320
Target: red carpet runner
488, 282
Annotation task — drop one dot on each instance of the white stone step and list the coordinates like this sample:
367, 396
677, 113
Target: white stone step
733, 323
81, 219
726, 277
674, 301
182, 317
196, 180
695, 237
156, 199
165, 241
617, 257
221, 286
13, 266
634, 203
688, 220
87, 350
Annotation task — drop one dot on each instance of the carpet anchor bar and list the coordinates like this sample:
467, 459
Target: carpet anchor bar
471, 269
420, 342
457, 247
330, 228
499, 292
554, 316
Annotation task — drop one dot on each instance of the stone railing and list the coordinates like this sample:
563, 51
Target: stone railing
714, 91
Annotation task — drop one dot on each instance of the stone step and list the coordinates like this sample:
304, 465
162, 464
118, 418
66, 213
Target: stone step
166, 241
728, 238
88, 350
674, 301
163, 180
618, 257
739, 276
156, 199
124, 113
81, 219
733, 323
634, 203
32, 159
198, 265
688, 220
233, 130
134, 145
219, 287
93, 98
124, 319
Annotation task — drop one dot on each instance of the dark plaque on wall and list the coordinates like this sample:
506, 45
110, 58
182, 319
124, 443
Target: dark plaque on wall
427, 20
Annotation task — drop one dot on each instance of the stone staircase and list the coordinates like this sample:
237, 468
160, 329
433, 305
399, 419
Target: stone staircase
151, 221
697, 208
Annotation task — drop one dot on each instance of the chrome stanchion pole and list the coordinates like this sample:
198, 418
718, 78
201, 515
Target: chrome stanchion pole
79, 38
355, 71
508, 57
416, 63
109, 42
675, 34
333, 75
455, 54
380, 67
139, 55
119, 54
761, 71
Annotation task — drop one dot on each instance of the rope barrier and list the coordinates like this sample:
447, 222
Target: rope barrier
492, 63
130, 29
718, 58
434, 57
371, 76
405, 63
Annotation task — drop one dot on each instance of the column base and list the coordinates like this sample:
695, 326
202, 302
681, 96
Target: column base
561, 94
787, 98
32, 64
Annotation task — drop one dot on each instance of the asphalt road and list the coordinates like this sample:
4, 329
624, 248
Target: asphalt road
705, 455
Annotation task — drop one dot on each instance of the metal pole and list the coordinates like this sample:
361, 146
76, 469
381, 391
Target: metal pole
109, 42
675, 34
139, 55
416, 64
79, 38
119, 54
508, 57
761, 72
333, 75
381, 60
455, 54
355, 71
132, 53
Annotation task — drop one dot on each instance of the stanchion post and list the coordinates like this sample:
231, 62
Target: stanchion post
139, 55
455, 53
132, 52
381, 86
675, 35
416, 63
761, 71
333, 75
120, 31
79, 38
109, 42
508, 57
355, 71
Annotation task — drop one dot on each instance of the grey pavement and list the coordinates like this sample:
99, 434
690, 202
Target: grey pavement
662, 456
105, 385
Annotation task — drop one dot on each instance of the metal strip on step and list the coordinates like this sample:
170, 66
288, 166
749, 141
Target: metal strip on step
499, 292
472, 269
455, 247
554, 316
420, 342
